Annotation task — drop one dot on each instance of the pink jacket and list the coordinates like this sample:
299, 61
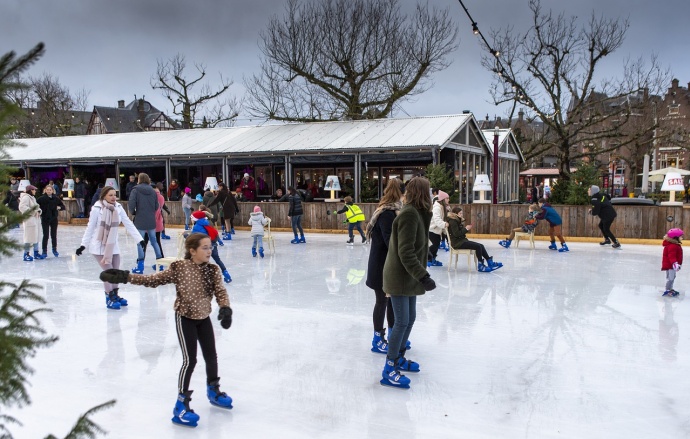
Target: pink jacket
159, 213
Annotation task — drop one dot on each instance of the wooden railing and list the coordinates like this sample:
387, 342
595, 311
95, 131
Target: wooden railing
641, 222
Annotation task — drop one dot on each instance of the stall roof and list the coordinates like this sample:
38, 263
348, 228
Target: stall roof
408, 133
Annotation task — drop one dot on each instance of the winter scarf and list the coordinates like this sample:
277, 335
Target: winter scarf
107, 230
372, 222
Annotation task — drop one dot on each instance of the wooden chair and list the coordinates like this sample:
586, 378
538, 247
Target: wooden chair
524, 235
472, 261
269, 238
164, 263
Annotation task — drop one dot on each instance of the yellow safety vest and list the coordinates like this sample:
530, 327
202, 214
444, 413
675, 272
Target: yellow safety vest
354, 213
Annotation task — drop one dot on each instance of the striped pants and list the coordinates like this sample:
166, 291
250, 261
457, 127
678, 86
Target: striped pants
189, 332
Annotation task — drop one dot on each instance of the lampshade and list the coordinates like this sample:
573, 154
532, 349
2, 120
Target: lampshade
22, 185
482, 183
112, 182
68, 185
211, 184
673, 182
332, 183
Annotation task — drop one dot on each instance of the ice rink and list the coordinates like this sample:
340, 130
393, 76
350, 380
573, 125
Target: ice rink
553, 345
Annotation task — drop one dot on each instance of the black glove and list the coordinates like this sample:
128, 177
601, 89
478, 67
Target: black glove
80, 250
115, 276
225, 317
428, 283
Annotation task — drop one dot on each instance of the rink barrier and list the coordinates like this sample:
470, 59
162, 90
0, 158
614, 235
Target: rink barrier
489, 220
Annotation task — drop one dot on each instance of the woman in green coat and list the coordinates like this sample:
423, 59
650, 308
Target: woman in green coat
405, 277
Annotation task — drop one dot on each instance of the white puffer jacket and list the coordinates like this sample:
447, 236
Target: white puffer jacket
91, 242
257, 220
33, 233
437, 224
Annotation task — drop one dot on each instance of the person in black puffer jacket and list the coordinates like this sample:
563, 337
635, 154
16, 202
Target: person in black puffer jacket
295, 215
602, 207
50, 204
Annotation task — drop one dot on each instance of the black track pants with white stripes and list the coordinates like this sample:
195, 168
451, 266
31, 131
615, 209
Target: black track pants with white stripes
190, 331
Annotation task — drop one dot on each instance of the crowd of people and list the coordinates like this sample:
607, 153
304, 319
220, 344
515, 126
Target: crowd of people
405, 233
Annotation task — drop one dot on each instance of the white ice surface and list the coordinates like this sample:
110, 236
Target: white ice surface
575, 345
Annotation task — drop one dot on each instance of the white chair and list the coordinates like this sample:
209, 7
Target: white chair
472, 261
524, 235
164, 263
268, 237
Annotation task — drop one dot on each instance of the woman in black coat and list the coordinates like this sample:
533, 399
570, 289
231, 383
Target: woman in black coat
378, 234
50, 204
295, 215
230, 209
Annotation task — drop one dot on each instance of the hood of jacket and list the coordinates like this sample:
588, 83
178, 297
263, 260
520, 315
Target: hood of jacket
256, 216
669, 241
145, 189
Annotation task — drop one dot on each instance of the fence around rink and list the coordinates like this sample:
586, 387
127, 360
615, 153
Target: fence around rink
635, 222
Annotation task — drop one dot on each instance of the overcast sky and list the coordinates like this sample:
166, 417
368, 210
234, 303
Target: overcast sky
110, 47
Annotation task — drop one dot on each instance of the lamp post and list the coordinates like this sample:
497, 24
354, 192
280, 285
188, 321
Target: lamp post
495, 171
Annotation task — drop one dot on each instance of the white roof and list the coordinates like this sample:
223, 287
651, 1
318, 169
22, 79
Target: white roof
431, 131
503, 135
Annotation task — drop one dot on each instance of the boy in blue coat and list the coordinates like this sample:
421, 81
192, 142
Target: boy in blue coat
554, 219
201, 225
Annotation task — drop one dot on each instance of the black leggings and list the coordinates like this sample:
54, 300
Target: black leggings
433, 248
158, 240
604, 226
52, 226
382, 308
190, 331
478, 248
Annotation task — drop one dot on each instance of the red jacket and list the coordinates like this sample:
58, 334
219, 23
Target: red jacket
673, 252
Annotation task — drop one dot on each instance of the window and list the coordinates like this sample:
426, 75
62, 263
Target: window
673, 109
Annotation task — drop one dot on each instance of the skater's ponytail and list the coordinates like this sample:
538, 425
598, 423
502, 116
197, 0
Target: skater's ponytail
193, 241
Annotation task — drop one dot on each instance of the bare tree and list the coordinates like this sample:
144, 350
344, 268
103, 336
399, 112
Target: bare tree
196, 103
553, 70
48, 107
347, 59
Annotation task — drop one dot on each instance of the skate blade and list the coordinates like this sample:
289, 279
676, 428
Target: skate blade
379, 351
386, 383
184, 424
225, 407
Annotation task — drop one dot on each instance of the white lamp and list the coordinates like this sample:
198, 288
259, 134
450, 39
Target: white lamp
332, 184
211, 184
672, 182
22, 185
112, 182
68, 186
482, 184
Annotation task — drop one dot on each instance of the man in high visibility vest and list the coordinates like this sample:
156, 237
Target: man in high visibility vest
354, 217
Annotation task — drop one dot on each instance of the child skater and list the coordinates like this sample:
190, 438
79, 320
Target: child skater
201, 225
196, 282
672, 259
100, 238
554, 219
528, 226
457, 230
355, 218
257, 220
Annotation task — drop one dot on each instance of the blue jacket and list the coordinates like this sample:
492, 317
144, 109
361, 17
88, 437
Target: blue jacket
549, 214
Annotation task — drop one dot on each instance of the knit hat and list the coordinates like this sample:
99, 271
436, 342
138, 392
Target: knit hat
257, 209
187, 190
31, 187
197, 215
246, 175
594, 189
442, 196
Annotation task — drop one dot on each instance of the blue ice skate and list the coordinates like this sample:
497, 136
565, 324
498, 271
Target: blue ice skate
55, 253
139, 269
505, 243
39, 256
405, 365
392, 377
261, 252
253, 252
493, 265
227, 237
111, 301
216, 397
182, 414
302, 240
27, 257
226, 277
553, 246
484, 268
564, 248
379, 343
123, 302
164, 236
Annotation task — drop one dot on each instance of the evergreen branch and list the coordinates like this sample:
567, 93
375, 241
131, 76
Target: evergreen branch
85, 428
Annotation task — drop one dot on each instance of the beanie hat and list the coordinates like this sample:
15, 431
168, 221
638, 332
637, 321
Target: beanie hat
187, 190
246, 175
257, 209
31, 187
675, 233
594, 189
442, 195
198, 214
